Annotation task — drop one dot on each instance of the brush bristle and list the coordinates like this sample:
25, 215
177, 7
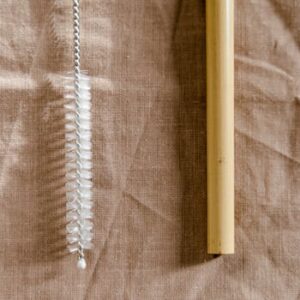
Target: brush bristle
78, 164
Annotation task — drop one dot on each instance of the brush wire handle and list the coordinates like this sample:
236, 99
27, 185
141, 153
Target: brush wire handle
78, 153
220, 125
76, 37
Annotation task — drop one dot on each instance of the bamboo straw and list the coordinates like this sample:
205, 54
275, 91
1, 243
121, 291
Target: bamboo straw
220, 125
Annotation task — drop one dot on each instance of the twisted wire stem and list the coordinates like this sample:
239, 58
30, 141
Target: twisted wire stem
76, 37
76, 28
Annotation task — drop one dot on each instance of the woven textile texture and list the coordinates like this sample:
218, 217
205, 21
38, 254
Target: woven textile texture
146, 59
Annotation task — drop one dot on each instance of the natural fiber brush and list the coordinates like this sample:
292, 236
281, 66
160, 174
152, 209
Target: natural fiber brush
78, 153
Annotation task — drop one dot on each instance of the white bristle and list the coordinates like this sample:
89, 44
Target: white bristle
78, 164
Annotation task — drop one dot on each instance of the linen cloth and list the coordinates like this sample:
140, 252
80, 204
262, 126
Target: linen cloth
147, 63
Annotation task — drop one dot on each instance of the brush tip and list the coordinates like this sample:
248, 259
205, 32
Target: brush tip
81, 264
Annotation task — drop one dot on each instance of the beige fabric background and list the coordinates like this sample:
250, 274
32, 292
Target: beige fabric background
147, 62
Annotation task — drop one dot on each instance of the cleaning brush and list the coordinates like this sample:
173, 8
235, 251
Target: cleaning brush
78, 153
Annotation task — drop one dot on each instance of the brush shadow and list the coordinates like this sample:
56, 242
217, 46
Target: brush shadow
51, 176
190, 57
49, 60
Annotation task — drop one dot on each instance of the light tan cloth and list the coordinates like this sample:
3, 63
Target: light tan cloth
147, 62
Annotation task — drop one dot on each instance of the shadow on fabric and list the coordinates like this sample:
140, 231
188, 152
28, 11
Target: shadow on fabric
190, 58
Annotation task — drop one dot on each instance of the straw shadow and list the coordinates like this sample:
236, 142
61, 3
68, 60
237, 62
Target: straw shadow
189, 52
